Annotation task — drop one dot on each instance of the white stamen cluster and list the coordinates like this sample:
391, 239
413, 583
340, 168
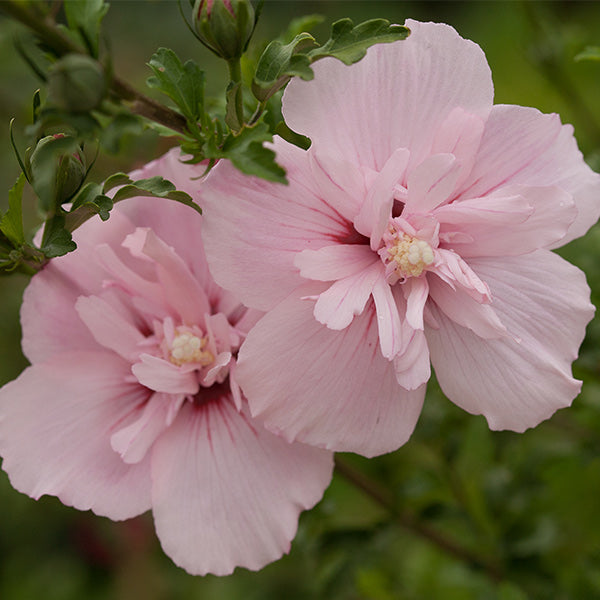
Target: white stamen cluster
188, 348
411, 256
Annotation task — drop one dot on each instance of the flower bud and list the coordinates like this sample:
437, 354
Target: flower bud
76, 83
56, 177
224, 26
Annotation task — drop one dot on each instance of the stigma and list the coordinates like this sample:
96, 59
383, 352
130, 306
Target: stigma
188, 348
409, 256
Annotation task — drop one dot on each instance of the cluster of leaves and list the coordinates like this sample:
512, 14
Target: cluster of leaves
85, 105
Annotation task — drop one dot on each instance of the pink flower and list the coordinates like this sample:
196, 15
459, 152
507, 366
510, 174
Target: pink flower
416, 228
132, 402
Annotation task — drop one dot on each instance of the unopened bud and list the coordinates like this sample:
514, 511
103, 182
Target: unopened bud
56, 177
76, 83
225, 26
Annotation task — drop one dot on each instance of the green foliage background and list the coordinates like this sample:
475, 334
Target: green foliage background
529, 504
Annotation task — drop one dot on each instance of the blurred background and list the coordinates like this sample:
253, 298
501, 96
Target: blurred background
527, 504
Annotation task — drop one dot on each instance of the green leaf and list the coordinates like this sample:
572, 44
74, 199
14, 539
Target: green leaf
85, 17
349, 43
57, 241
247, 153
11, 223
92, 198
183, 83
289, 135
300, 25
589, 53
156, 187
279, 63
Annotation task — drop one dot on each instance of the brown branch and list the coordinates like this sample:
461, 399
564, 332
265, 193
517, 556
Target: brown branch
139, 104
412, 523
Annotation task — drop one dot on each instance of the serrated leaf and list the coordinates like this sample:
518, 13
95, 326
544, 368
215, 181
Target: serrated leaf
247, 153
589, 53
92, 197
156, 187
86, 18
11, 223
57, 241
349, 43
115, 180
183, 83
279, 63
300, 25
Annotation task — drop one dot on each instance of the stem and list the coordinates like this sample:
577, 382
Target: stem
138, 103
235, 75
409, 521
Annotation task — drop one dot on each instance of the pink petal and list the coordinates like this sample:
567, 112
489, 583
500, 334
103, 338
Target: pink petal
181, 290
331, 389
514, 220
227, 493
346, 298
432, 182
109, 326
47, 310
517, 381
56, 421
464, 310
412, 367
253, 229
133, 441
460, 135
523, 146
388, 319
162, 376
395, 97
334, 262
416, 291
376, 211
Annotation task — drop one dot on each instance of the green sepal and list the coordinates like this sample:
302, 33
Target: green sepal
349, 43
11, 222
183, 83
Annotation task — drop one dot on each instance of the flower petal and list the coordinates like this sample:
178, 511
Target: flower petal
346, 298
395, 97
162, 376
517, 381
334, 262
328, 388
56, 421
412, 367
523, 146
227, 493
253, 229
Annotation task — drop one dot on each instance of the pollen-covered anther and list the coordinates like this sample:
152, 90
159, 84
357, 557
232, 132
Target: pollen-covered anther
411, 255
189, 348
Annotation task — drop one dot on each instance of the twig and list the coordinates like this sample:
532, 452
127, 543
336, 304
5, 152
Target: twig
410, 521
138, 103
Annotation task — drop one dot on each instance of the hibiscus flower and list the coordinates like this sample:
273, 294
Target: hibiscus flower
131, 402
416, 229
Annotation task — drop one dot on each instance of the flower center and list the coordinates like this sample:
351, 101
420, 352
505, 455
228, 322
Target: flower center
189, 348
410, 255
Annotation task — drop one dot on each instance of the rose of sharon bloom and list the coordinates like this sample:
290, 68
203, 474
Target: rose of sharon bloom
132, 402
417, 228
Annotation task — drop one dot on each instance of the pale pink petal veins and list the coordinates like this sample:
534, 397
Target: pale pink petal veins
327, 388
243, 214
162, 376
375, 212
412, 366
334, 262
227, 493
395, 97
519, 380
47, 310
523, 146
57, 420
346, 298
389, 325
